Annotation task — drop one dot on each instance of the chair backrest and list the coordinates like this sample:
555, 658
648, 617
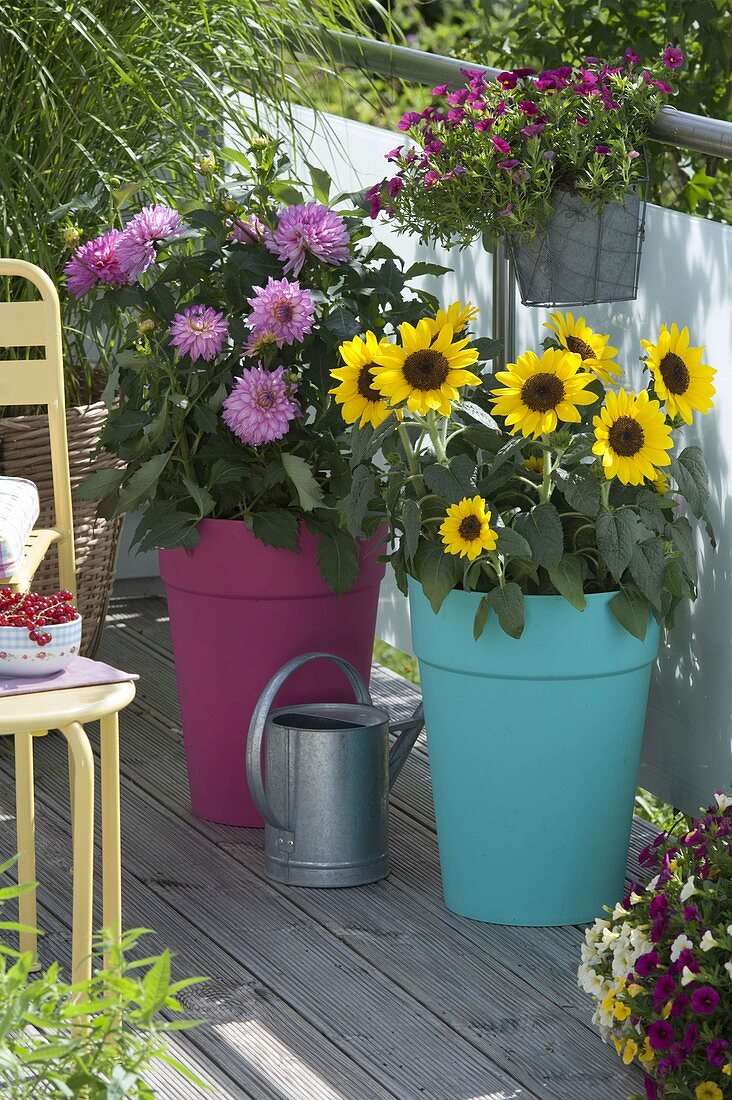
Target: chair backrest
41, 382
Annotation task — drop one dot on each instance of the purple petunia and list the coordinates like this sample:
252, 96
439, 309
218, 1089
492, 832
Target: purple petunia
510, 163
632, 58
533, 129
660, 1035
704, 1000
501, 145
309, 228
672, 57
663, 990
411, 118
199, 332
136, 248
507, 80
602, 150
95, 262
717, 1052
431, 178
282, 308
260, 407
646, 964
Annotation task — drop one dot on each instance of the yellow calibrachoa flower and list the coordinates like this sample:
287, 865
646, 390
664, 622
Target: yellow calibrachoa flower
621, 1011
535, 394
356, 391
632, 437
427, 370
592, 348
682, 381
707, 1090
466, 529
456, 314
647, 1055
629, 1051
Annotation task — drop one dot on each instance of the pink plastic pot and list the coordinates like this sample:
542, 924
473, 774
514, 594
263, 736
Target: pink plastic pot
238, 611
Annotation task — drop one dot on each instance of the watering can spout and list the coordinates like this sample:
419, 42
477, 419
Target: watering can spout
408, 731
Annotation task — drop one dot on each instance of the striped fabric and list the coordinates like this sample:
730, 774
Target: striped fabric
19, 509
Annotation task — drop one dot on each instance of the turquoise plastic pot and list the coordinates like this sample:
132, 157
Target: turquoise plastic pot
534, 750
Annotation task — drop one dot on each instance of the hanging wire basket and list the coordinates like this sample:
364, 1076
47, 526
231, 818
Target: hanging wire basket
584, 255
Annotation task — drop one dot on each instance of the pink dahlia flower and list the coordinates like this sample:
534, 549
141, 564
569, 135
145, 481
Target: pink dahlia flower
309, 228
199, 332
247, 230
136, 250
283, 309
259, 408
95, 262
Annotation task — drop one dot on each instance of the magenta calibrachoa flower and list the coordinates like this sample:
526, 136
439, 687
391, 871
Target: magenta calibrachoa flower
199, 332
136, 248
260, 407
95, 262
661, 965
309, 228
282, 309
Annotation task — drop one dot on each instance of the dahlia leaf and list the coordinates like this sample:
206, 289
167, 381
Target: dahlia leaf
421, 267
616, 540
309, 492
143, 484
338, 561
508, 604
321, 182
437, 572
164, 527
100, 484
277, 528
690, 472
566, 577
542, 529
630, 608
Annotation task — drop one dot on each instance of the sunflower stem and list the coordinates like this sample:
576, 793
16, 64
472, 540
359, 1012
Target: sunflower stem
412, 461
545, 490
605, 494
434, 434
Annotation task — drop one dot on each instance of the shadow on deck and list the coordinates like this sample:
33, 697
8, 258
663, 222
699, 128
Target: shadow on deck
365, 994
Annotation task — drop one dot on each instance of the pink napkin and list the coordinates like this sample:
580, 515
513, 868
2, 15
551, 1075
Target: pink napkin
80, 673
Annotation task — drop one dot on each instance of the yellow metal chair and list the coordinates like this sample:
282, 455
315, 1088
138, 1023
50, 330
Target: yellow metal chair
34, 324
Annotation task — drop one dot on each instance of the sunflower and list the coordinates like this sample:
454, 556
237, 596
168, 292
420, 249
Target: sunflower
456, 314
356, 391
537, 393
534, 464
592, 348
680, 377
426, 371
632, 436
466, 529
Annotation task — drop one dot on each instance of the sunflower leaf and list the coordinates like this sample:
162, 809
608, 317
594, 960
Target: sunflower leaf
437, 572
630, 608
616, 539
690, 472
580, 490
648, 568
481, 617
567, 579
453, 482
512, 545
412, 523
682, 536
508, 604
542, 529
356, 504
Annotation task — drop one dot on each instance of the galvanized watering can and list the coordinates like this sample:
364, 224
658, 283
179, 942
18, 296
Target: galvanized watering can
328, 774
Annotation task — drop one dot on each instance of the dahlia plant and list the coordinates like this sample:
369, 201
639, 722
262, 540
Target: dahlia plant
660, 965
550, 477
233, 312
485, 158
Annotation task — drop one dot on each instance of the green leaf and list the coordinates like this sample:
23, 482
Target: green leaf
143, 483
437, 572
309, 492
321, 182
581, 491
648, 568
454, 482
650, 511
630, 608
201, 498
682, 536
690, 472
340, 324
567, 579
421, 267
100, 484
508, 604
542, 529
237, 158
412, 523
512, 544
338, 561
164, 526
481, 617
487, 349
156, 984
356, 504
366, 441
276, 528
616, 540
673, 578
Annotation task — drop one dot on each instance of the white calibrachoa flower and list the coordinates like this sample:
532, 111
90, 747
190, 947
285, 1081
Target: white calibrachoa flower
708, 941
687, 976
724, 801
640, 941
728, 968
688, 889
681, 943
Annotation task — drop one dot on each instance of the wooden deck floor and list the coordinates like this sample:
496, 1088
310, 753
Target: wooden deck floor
362, 994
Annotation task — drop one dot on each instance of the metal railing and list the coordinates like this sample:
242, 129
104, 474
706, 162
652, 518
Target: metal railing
710, 136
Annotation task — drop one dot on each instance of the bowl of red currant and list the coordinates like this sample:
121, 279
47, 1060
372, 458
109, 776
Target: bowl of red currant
39, 635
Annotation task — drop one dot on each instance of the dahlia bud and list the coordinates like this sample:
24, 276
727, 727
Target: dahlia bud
261, 142
70, 236
230, 206
146, 325
207, 165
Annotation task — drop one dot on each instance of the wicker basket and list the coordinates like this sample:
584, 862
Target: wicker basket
25, 452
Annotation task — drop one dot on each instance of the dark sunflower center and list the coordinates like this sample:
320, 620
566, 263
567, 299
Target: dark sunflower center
542, 392
426, 369
469, 529
626, 436
365, 384
579, 347
674, 373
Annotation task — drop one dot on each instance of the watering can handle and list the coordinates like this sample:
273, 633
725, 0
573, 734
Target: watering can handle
258, 724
